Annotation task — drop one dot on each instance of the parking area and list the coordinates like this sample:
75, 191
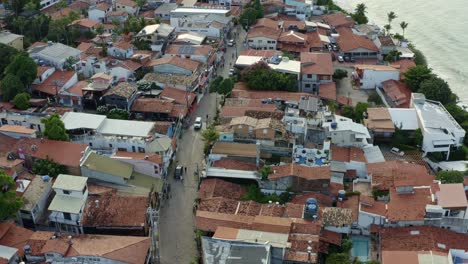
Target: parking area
345, 87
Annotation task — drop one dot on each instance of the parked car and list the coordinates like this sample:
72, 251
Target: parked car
179, 171
397, 151
340, 59
232, 72
198, 123
231, 43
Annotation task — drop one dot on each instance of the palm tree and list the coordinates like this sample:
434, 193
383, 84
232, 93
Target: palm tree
387, 29
361, 9
390, 17
403, 26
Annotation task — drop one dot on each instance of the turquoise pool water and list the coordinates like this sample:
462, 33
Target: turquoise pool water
360, 248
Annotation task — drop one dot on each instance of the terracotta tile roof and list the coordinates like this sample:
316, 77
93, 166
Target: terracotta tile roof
56, 245
179, 96
152, 105
162, 127
209, 221
241, 91
86, 23
84, 46
103, 6
399, 93
155, 158
6, 106
264, 32
212, 188
178, 62
125, 45
344, 100
338, 20
234, 164
122, 89
65, 153
452, 196
236, 111
79, 5
117, 13
14, 236
348, 41
179, 110
331, 237
115, 211
369, 205
63, 12
127, 3
42, 69
390, 174
130, 65
295, 23
379, 120
266, 22
235, 149
54, 82
344, 154
408, 207
328, 91
422, 238
294, 210
17, 129
313, 39
316, 63
352, 203
77, 88
292, 37
259, 53
403, 66
292, 169
322, 199
6, 143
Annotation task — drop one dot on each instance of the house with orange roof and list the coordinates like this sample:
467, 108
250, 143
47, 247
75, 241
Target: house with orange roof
396, 93
347, 163
85, 25
355, 46
337, 20
147, 163
298, 177
129, 6
121, 49
380, 123
316, 68
263, 38
55, 83
73, 96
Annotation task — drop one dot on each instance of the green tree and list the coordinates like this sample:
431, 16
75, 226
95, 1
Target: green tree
100, 29
248, 17
10, 203
403, 26
11, 86
48, 167
31, 6
360, 14
102, 110
416, 75
21, 101
375, 98
337, 258
24, 67
437, 89
264, 172
225, 87
6, 53
261, 77
340, 74
16, 5
387, 28
390, 17
20, 23
348, 112
118, 114
359, 111
215, 83
419, 57
450, 176
54, 128
393, 56
210, 135
70, 63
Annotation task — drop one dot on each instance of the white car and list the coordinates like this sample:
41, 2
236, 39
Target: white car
340, 59
231, 43
198, 123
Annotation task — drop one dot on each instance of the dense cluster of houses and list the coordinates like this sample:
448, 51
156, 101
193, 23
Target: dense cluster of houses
345, 184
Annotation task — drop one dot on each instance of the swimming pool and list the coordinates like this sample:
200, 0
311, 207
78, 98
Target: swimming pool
360, 248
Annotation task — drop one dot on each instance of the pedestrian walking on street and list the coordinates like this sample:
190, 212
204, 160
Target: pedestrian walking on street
185, 170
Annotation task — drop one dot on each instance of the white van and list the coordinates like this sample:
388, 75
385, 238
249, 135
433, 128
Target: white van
198, 123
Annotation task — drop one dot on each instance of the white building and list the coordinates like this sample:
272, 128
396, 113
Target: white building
158, 35
99, 12
54, 54
25, 119
371, 76
35, 195
346, 133
440, 130
112, 134
212, 22
66, 208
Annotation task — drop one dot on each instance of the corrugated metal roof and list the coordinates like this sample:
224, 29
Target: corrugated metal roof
70, 182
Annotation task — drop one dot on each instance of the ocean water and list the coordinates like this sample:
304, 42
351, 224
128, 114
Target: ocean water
439, 28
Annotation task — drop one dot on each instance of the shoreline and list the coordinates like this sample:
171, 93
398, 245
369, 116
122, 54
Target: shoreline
349, 8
